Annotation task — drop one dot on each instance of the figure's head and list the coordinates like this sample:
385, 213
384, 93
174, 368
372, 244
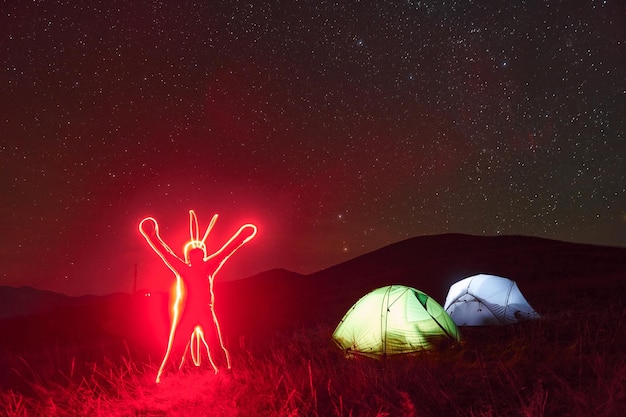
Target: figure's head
195, 252
195, 256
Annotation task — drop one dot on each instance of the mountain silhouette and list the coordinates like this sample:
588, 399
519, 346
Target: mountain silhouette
279, 300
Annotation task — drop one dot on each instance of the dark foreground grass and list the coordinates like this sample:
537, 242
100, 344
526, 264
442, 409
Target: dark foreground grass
570, 363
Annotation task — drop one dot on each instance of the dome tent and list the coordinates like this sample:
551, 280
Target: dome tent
487, 300
393, 320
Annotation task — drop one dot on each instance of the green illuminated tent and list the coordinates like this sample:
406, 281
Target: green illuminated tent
393, 320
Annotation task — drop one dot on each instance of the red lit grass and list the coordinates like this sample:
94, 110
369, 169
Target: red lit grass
570, 363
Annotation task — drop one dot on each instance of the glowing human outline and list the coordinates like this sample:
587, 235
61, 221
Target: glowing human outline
196, 266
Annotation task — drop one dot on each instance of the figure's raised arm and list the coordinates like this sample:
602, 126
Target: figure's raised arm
243, 235
149, 229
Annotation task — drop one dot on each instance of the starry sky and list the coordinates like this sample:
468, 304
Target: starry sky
336, 127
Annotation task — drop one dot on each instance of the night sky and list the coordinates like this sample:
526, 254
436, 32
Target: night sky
336, 127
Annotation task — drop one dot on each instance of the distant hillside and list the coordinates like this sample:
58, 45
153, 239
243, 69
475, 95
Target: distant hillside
27, 300
276, 300
433, 263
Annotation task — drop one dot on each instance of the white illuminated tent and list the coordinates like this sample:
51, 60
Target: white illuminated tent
487, 300
392, 320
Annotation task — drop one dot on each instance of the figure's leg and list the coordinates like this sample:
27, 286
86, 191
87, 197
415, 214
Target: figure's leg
220, 340
184, 339
198, 340
168, 352
216, 324
176, 311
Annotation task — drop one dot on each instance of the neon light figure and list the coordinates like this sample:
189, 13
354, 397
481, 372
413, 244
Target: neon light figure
192, 305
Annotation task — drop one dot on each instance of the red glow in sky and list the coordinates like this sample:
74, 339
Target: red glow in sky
192, 302
342, 127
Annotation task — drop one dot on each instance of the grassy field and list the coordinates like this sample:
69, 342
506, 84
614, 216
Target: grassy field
570, 363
